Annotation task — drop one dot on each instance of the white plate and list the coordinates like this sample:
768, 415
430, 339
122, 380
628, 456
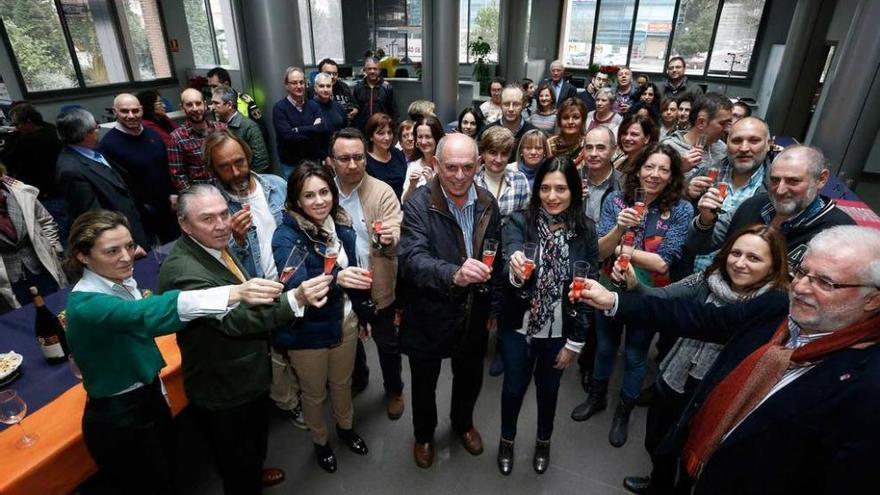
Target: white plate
9, 362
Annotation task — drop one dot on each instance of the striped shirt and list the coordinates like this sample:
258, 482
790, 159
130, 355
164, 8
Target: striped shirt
464, 217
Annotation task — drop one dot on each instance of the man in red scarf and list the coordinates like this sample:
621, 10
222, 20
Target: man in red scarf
790, 406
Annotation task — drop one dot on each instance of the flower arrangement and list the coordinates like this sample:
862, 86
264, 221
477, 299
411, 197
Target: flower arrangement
200, 83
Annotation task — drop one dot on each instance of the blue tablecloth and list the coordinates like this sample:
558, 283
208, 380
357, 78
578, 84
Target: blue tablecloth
41, 382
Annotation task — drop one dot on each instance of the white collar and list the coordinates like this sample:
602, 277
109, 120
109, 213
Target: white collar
92, 282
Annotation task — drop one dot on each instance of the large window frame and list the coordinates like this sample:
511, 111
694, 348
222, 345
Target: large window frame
706, 74
133, 81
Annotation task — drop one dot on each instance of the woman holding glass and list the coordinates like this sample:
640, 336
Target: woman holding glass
650, 215
541, 331
634, 134
751, 262
321, 345
544, 117
384, 161
110, 330
428, 131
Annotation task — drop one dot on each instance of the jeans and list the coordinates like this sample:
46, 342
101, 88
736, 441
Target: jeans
522, 360
638, 340
467, 379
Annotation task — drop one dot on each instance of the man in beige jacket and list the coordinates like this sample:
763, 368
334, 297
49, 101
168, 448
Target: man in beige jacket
375, 213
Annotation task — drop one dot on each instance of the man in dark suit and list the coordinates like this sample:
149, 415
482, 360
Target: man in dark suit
791, 404
226, 366
562, 89
89, 180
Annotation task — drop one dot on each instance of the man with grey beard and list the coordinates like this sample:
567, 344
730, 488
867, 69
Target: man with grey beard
792, 204
744, 169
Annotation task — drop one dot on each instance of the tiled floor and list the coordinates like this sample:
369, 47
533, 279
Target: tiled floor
582, 461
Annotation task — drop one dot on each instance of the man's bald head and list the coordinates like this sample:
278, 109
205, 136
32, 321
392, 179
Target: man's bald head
128, 111
748, 143
193, 106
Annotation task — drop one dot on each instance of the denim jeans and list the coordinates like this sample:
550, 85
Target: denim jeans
522, 360
638, 340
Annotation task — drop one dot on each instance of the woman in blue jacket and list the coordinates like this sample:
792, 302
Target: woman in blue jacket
541, 331
321, 345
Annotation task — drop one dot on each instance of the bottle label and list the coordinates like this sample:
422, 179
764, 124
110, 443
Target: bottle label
51, 347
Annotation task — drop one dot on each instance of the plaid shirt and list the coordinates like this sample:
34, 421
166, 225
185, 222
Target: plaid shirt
185, 156
515, 193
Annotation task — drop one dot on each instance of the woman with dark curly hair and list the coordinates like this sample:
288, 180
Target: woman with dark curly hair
658, 228
634, 135
155, 117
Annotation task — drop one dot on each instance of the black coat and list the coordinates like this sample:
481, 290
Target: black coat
440, 319
819, 434
583, 247
565, 92
87, 185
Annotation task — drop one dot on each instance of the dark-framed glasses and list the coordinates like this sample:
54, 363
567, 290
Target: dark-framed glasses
359, 157
820, 282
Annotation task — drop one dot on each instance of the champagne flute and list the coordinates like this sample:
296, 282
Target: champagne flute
291, 265
490, 247
12, 410
377, 238
640, 203
712, 173
701, 142
627, 247
579, 281
330, 255
530, 252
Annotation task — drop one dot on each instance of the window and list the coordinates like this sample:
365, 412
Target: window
478, 18
320, 23
75, 44
714, 37
212, 33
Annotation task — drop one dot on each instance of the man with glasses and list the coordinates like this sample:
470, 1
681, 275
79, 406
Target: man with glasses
375, 213
446, 292
298, 123
791, 404
676, 81
511, 117
792, 204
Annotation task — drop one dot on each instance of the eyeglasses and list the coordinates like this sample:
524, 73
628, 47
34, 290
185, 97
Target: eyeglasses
348, 158
822, 282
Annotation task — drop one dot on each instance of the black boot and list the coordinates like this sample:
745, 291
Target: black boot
637, 484
541, 461
505, 456
595, 402
620, 424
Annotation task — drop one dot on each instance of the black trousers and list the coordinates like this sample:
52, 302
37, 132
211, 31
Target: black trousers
587, 357
663, 413
131, 438
467, 379
385, 335
238, 437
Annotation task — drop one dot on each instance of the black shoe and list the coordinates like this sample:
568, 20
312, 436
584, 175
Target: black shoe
505, 457
326, 458
585, 380
646, 396
637, 484
354, 442
541, 461
496, 367
620, 424
595, 402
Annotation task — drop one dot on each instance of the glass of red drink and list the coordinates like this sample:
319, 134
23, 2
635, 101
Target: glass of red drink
330, 255
294, 260
580, 271
639, 202
713, 175
490, 247
377, 239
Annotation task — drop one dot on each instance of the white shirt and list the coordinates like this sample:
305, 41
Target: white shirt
415, 166
352, 205
265, 224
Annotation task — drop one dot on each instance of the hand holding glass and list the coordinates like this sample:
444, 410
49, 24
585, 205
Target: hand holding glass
330, 255
294, 260
580, 272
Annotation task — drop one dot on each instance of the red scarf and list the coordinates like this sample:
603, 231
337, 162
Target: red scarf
741, 390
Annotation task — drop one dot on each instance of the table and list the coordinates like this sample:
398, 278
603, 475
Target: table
59, 461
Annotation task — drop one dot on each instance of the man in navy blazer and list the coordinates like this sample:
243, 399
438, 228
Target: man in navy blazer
815, 429
89, 180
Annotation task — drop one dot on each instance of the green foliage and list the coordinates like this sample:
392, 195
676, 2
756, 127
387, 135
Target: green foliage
199, 32
694, 29
38, 44
485, 24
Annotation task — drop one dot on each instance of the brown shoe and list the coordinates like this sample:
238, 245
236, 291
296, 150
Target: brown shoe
472, 441
272, 476
395, 407
424, 454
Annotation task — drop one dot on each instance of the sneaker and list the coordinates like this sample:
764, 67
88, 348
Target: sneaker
295, 416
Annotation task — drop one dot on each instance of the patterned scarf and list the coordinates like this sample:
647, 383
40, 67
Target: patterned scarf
744, 388
553, 237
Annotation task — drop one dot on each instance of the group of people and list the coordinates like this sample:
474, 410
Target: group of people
562, 222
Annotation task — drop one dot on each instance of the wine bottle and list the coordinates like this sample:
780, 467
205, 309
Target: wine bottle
49, 332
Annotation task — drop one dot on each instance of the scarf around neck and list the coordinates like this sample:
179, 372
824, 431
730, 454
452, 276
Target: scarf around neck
553, 237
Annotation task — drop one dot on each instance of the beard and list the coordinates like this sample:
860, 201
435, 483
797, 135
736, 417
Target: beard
790, 206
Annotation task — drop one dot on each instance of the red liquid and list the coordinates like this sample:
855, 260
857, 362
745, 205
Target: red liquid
528, 266
713, 174
722, 190
329, 263
640, 208
488, 258
578, 284
377, 225
629, 239
623, 262
286, 274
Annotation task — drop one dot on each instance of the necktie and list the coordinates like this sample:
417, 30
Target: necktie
230, 263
